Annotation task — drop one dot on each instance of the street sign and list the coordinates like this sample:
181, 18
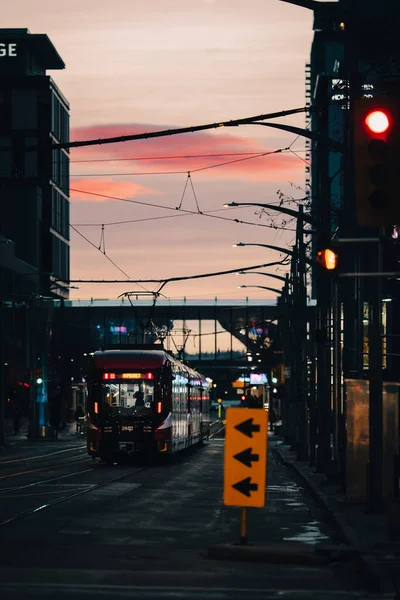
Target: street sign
245, 459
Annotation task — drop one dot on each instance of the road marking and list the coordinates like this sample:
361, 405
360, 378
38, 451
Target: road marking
77, 487
6, 462
22, 487
174, 591
43, 469
75, 531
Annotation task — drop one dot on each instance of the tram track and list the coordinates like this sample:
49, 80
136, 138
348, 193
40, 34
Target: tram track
47, 505
53, 481
47, 468
39, 456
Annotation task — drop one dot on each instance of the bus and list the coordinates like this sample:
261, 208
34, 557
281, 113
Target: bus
142, 400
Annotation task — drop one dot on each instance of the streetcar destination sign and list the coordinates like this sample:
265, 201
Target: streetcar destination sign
245, 457
8, 49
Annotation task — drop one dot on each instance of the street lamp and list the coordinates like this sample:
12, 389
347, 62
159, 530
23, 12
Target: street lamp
278, 249
282, 209
261, 287
261, 273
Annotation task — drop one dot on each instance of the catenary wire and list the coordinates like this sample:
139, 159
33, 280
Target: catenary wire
173, 157
96, 247
183, 215
222, 164
187, 212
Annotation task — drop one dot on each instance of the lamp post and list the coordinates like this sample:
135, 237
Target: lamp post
298, 323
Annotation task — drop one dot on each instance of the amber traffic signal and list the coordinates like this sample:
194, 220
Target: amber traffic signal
328, 259
376, 138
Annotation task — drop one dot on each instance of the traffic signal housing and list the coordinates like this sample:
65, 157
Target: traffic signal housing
328, 259
376, 143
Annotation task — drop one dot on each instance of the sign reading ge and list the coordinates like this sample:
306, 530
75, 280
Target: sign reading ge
8, 49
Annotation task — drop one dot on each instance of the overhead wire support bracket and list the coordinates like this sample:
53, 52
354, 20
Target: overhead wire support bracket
180, 130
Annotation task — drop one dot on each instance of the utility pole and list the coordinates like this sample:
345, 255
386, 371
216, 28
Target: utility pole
284, 330
301, 341
292, 318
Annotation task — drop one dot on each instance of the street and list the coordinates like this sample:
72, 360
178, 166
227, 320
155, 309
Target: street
74, 527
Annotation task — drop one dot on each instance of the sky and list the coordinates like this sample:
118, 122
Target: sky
135, 66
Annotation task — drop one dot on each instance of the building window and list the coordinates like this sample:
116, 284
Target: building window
60, 213
5, 157
60, 259
24, 109
61, 170
59, 120
31, 158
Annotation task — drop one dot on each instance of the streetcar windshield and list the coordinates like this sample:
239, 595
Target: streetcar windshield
127, 397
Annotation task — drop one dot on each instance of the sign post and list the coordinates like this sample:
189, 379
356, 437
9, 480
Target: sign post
245, 460
219, 407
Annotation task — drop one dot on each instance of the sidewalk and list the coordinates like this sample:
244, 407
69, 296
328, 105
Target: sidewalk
366, 534
13, 442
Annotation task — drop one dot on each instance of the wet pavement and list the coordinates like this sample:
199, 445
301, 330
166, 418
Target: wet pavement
82, 529
371, 536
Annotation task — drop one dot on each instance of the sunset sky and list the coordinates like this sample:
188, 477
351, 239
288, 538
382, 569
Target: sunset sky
135, 66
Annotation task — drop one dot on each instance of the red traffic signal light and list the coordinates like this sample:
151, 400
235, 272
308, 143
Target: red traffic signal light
376, 137
328, 259
377, 121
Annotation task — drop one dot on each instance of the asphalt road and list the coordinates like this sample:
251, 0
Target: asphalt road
71, 527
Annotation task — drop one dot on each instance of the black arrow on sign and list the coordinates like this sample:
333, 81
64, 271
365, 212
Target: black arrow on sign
246, 457
245, 487
247, 428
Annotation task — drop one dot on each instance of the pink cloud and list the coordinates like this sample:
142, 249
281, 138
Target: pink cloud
107, 187
273, 167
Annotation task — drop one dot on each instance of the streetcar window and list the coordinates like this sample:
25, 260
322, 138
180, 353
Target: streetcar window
128, 396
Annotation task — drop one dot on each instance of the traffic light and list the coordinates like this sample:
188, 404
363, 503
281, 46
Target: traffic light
328, 259
376, 138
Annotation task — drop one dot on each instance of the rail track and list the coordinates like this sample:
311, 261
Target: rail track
75, 494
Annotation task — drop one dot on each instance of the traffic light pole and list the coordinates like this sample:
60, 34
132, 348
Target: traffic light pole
323, 207
375, 495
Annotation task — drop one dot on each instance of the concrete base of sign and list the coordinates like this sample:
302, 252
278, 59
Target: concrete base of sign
281, 553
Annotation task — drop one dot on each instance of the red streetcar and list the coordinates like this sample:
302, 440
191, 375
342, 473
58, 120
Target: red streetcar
144, 401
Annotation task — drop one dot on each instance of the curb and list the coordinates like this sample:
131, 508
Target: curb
274, 554
373, 571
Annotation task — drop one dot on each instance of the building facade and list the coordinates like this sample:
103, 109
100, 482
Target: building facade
34, 223
34, 177
354, 54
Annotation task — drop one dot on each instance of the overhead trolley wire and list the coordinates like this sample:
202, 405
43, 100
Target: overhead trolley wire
187, 212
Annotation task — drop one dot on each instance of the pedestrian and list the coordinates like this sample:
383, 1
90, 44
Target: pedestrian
79, 414
55, 411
